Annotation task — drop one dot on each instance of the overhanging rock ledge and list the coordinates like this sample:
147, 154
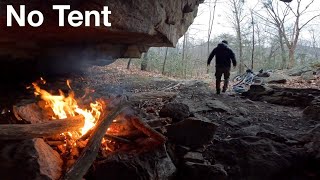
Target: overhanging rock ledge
136, 26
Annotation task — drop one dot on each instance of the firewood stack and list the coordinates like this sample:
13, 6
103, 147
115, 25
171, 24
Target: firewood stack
119, 129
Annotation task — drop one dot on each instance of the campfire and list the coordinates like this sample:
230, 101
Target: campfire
79, 128
63, 107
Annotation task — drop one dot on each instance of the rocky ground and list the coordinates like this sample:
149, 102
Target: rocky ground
212, 136
253, 140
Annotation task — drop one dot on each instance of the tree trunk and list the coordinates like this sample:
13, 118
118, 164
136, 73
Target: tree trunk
144, 62
291, 58
183, 54
270, 57
283, 55
211, 20
314, 45
129, 63
165, 61
240, 50
208, 48
253, 41
293, 47
238, 30
260, 54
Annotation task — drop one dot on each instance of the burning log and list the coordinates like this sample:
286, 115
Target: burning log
55, 143
119, 139
47, 129
88, 155
31, 113
147, 130
15, 113
132, 128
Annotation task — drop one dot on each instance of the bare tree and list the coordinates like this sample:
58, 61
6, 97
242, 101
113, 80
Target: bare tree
280, 16
261, 39
212, 4
165, 60
273, 10
253, 39
184, 61
144, 62
237, 17
129, 63
314, 43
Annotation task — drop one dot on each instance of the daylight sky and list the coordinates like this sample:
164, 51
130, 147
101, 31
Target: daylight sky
199, 28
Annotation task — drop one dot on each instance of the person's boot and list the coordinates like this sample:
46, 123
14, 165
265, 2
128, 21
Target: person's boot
218, 91
218, 82
225, 85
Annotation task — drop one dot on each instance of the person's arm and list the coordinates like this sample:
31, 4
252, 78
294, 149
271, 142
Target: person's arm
212, 54
233, 58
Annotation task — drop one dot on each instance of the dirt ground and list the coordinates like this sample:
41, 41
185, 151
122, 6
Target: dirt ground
113, 80
116, 80
120, 81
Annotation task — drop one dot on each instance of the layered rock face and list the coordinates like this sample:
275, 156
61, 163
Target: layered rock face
136, 25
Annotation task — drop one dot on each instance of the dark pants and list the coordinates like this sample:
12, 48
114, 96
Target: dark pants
225, 71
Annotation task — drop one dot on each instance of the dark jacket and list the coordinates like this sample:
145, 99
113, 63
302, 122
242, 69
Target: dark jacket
224, 56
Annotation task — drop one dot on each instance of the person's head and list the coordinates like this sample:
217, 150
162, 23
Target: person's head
225, 42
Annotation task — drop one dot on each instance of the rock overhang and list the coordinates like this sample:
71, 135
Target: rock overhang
136, 26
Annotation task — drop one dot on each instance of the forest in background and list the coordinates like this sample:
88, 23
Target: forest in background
269, 35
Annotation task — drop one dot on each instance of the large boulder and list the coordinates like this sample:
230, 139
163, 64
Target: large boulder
262, 130
176, 111
238, 121
276, 78
282, 96
252, 157
154, 164
311, 139
308, 75
195, 157
29, 159
194, 171
243, 111
257, 91
191, 132
218, 106
313, 110
298, 71
207, 105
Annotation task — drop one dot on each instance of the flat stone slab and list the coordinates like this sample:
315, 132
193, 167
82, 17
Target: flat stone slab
238, 122
195, 157
191, 132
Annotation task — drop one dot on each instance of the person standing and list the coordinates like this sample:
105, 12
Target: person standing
224, 57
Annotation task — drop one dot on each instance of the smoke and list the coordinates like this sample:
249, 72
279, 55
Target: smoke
70, 61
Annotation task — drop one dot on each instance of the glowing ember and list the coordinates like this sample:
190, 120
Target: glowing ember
66, 106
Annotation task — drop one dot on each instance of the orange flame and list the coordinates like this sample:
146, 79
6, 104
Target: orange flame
66, 106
